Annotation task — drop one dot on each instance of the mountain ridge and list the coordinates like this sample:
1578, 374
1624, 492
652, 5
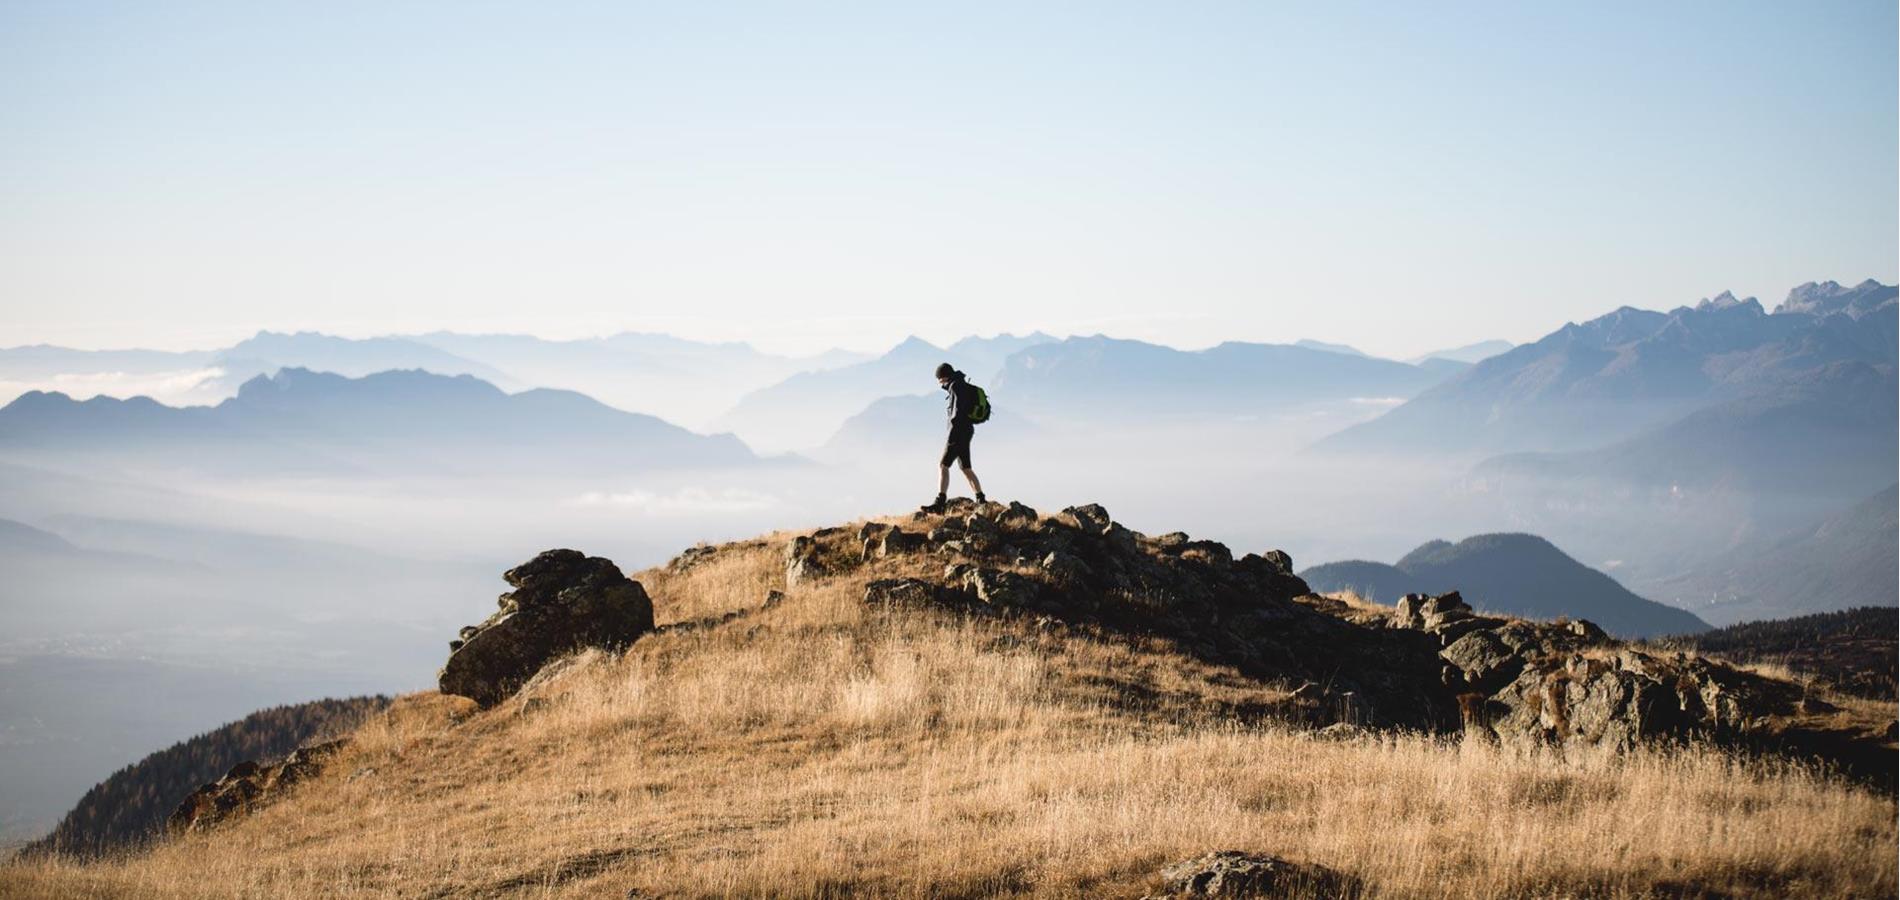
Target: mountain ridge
1514, 573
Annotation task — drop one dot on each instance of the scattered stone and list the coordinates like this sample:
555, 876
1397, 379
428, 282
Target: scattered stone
1405, 613
1341, 732
1588, 631
891, 541
1065, 570
691, 557
1017, 515
1486, 664
901, 592
1280, 560
1090, 518
999, 588
247, 787
1173, 540
1232, 873
563, 601
1210, 552
801, 560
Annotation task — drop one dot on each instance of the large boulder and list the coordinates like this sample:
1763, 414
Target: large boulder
563, 600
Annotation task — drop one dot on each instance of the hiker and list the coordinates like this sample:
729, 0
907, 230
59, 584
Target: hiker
967, 406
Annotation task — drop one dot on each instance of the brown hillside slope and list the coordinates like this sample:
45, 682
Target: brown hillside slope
932, 742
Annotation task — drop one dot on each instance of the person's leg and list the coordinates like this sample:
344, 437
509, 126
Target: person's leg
943, 480
969, 473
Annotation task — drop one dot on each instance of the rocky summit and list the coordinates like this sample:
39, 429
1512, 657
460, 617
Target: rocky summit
1428, 663
563, 600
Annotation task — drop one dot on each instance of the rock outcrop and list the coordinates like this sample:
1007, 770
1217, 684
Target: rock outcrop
563, 600
1084, 570
1430, 663
1568, 682
247, 787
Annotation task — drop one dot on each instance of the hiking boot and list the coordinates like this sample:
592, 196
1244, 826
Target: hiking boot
980, 498
935, 506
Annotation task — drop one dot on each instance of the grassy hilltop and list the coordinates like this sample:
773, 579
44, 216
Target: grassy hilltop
834, 741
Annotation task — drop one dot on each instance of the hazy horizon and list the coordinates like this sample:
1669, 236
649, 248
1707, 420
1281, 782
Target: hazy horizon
765, 343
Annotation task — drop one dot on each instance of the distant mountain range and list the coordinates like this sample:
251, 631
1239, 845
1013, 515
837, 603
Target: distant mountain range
1520, 574
1615, 377
1114, 380
1469, 353
681, 380
805, 409
1849, 559
686, 382
911, 428
1831, 432
1329, 348
390, 422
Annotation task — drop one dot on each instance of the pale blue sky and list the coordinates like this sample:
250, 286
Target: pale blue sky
1396, 176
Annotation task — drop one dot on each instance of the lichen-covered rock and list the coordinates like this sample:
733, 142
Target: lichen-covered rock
563, 600
801, 560
1568, 682
690, 557
1016, 515
888, 540
1279, 560
1405, 613
1232, 873
1090, 518
1484, 662
1207, 551
999, 588
901, 592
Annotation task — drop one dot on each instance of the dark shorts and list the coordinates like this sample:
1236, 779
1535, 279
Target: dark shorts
957, 446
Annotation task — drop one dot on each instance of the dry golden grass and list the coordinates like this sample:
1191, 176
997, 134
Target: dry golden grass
823, 748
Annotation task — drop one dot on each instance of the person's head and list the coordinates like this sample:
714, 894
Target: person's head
945, 373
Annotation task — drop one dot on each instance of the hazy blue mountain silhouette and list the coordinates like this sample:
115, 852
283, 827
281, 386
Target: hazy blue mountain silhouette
806, 409
1832, 433
1616, 376
684, 381
982, 357
1469, 353
45, 361
911, 427
1121, 380
1847, 560
268, 351
399, 421
1329, 348
1520, 574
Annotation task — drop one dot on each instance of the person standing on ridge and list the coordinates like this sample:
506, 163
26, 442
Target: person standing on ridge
966, 406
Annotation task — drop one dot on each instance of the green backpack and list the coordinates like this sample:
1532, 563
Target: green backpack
980, 413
